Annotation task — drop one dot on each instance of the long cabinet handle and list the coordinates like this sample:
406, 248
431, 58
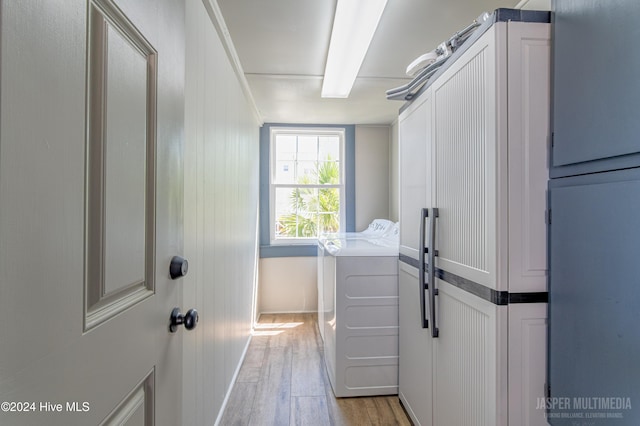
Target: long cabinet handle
424, 214
431, 286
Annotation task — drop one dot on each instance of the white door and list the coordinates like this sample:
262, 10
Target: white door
91, 134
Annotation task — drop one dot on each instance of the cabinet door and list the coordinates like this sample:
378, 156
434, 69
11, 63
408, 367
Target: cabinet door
415, 362
527, 363
529, 69
320, 284
595, 81
469, 359
594, 338
465, 160
415, 168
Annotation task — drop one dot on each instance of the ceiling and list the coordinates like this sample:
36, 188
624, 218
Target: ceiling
282, 46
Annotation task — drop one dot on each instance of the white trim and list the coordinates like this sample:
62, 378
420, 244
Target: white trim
215, 14
233, 382
313, 311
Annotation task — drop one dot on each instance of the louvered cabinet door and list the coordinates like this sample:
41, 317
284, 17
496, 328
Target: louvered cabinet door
415, 171
469, 360
465, 102
416, 350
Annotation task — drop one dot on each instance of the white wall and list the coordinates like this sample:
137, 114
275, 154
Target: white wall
220, 211
288, 284
372, 174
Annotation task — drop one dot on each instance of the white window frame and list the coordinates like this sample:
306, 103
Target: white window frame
320, 131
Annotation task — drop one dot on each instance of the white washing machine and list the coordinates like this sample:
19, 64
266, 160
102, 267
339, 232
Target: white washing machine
358, 313
378, 228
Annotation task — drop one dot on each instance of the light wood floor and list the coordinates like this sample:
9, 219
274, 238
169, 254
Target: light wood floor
283, 381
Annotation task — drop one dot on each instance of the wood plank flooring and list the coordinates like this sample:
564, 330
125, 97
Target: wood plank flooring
283, 381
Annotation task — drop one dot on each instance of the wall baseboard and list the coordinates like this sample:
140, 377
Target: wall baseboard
287, 312
233, 382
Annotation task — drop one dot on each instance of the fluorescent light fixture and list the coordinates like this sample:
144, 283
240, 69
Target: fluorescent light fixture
353, 28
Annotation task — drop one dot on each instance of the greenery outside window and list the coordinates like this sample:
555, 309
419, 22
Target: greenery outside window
306, 184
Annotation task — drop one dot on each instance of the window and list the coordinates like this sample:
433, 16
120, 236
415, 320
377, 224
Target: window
306, 183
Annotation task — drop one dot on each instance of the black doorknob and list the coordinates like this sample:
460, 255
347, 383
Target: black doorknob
189, 320
178, 267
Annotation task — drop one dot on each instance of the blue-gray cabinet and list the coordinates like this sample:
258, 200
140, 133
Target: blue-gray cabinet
594, 218
596, 86
594, 309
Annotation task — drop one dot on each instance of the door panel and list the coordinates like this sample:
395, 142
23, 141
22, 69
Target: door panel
465, 133
415, 170
595, 96
593, 290
137, 409
529, 69
119, 363
121, 119
125, 160
415, 363
527, 363
470, 367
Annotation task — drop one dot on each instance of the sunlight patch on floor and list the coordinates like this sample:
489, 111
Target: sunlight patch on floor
273, 328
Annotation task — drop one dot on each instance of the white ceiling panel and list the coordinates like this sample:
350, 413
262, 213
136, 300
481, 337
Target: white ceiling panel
282, 47
280, 36
285, 99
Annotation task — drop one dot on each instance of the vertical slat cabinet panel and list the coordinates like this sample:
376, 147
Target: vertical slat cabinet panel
415, 364
465, 102
469, 364
415, 171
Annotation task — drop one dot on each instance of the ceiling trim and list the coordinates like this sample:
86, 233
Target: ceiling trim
215, 14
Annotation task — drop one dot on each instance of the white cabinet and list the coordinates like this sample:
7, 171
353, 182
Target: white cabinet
474, 146
469, 380
415, 162
415, 350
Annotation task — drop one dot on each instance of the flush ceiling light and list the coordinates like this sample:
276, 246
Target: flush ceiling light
353, 28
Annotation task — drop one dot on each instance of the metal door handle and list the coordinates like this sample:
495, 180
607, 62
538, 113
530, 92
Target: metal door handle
433, 291
189, 320
422, 286
178, 267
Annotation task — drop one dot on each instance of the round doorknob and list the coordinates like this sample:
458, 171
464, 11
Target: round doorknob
178, 267
189, 320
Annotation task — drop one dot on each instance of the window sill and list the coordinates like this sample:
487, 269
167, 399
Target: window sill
289, 250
